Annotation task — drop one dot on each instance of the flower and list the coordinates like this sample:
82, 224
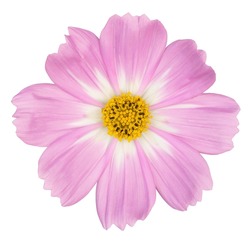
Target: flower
129, 114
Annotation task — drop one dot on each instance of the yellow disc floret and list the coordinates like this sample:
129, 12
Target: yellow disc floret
126, 116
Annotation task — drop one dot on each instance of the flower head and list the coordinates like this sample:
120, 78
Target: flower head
128, 113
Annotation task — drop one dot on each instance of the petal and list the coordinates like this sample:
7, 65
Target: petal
78, 69
125, 191
45, 112
87, 46
181, 75
72, 165
180, 173
131, 48
207, 122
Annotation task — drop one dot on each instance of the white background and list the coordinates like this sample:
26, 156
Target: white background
30, 30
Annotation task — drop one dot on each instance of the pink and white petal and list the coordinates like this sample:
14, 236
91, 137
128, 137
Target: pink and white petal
131, 47
207, 122
125, 191
180, 173
45, 112
88, 47
72, 165
182, 74
79, 71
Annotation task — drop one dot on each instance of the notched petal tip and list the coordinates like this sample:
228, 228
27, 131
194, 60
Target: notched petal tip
203, 55
186, 43
128, 17
13, 100
72, 29
139, 18
14, 103
190, 44
78, 31
121, 226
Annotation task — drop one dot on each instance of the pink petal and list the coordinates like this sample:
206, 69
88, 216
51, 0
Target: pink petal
207, 122
180, 173
72, 165
181, 75
125, 191
131, 48
78, 69
45, 112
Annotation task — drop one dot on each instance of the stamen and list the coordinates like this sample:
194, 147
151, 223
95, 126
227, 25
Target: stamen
126, 116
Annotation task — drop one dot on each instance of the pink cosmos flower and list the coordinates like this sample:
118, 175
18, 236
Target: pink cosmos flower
129, 114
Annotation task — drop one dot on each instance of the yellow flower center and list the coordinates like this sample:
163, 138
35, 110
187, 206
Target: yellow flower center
126, 116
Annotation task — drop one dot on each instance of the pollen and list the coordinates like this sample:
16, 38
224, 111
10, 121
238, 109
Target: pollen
126, 116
